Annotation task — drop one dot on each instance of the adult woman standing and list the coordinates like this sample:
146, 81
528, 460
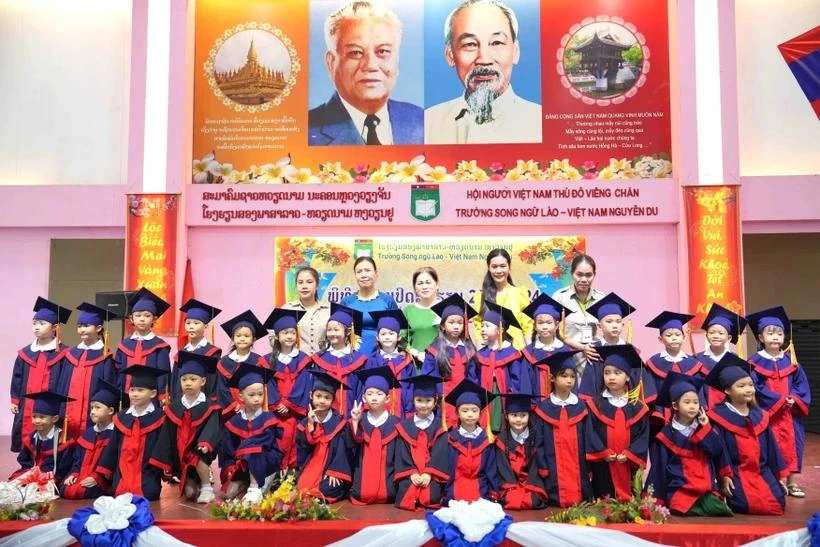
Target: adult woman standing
423, 321
498, 287
367, 299
580, 331
312, 325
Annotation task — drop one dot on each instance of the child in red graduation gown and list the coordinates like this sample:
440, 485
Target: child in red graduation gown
126, 460
687, 454
450, 354
324, 442
757, 482
84, 482
722, 326
560, 425
47, 447
191, 434
37, 367
784, 388
617, 429
251, 450
198, 315
244, 330
421, 450
546, 314
85, 365
520, 486
389, 352
472, 465
375, 432
144, 348
289, 395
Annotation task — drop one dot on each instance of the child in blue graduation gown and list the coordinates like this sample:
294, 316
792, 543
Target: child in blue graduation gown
617, 429
687, 454
83, 481
520, 485
198, 315
546, 314
389, 353
340, 359
722, 326
191, 434
126, 460
47, 447
244, 330
85, 365
37, 367
421, 471
787, 398
374, 431
473, 468
251, 456
144, 348
324, 443
757, 483
560, 424
289, 395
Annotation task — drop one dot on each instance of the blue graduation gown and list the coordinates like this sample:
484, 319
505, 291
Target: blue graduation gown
291, 388
343, 369
539, 374
154, 353
41, 454
499, 371
210, 388
374, 462
228, 397
81, 371
472, 468
755, 461
421, 451
713, 396
459, 363
324, 453
403, 367
592, 381
520, 486
250, 445
659, 368
87, 452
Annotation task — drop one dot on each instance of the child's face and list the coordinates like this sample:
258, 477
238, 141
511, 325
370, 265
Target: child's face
336, 334
424, 406
376, 399
614, 378
141, 396
687, 406
43, 422
192, 385
321, 400
717, 336
43, 330
100, 413
252, 397
468, 415
489, 332
194, 328
545, 326
243, 339
518, 421
88, 333
287, 339
742, 391
612, 325
672, 340
772, 338
143, 320
388, 339
565, 380
454, 327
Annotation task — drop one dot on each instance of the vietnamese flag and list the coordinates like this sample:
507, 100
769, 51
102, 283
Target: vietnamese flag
802, 54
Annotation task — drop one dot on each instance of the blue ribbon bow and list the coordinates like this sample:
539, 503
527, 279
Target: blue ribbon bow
451, 536
142, 519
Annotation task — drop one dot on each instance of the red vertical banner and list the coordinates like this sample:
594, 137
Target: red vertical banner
714, 236
150, 250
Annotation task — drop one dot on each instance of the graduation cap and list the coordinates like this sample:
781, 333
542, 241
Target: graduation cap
108, 394
621, 356
727, 371
145, 300
517, 402
381, 378
325, 382
424, 385
390, 319
195, 309
247, 375
48, 402
771, 317
94, 315
346, 316
48, 311
669, 320
611, 304
281, 319
729, 320
468, 393
559, 361
544, 305
676, 384
499, 315
453, 305
144, 376
245, 319
196, 363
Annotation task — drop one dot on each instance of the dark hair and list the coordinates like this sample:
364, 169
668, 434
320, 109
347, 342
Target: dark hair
488, 289
506, 435
276, 348
365, 258
579, 259
534, 335
315, 274
442, 355
401, 345
232, 347
425, 269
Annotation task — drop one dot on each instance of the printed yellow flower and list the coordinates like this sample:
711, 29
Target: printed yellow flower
469, 171
409, 172
440, 174
378, 176
220, 170
525, 170
235, 177
254, 171
639, 520
562, 170
303, 176
273, 173
202, 168
334, 173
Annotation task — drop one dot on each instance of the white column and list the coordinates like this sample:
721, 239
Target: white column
155, 157
707, 93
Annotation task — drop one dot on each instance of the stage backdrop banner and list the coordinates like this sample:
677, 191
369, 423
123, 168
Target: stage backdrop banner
150, 250
715, 263
542, 264
590, 79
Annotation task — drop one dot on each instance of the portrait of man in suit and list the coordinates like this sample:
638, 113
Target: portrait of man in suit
362, 58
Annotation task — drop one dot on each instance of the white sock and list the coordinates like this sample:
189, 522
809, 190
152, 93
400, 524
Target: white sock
207, 488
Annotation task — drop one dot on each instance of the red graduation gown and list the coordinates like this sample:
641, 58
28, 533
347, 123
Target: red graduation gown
82, 370
87, 453
520, 485
420, 451
373, 469
154, 353
324, 453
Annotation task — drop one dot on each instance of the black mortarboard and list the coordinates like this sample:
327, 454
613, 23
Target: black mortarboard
245, 319
50, 312
195, 309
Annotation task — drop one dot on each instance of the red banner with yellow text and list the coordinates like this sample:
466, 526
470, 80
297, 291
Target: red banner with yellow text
150, 250
715, 263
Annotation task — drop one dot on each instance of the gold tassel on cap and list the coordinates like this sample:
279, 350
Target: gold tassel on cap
629, 331
563, 325
790, 348
490, 436
107, 348
65, 429
57, 334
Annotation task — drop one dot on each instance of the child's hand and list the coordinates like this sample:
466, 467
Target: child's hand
356, 411
727, 487
425, 480
415, 478
282, 409
88, 482
333, 481
620, 458
203, 449
789, 401
611, 457
703, 419
14, 409
70, 480
311, 415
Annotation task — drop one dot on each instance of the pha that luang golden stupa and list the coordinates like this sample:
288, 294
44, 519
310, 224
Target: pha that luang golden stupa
252, 83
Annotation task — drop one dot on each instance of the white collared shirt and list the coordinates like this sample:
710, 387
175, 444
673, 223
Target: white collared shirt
286, 358
201, 344
522, 437
51, 346
133, 411
423, 423
685, 430
326, 418
383, 130
96, 345
708, 352
470, 434
255, 414
505, 344
376, 421
617, 402
149, 336
766, 355
571, 400
107, 428
457, 344
387, 356
340, 352
676, 359
556, 344
49, 435
238, 358
199, 399
734, 409
620, 342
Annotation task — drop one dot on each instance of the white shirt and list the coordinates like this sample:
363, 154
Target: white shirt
326, 418
470, 434
238, 358
201, 344
522, 438
199, 399
457, 344
620, 342
149, 336
422, 423
376, 421
340, 352
49, 435
514, 120
578, 319
708, 352
286, 358
685, 430
96, 345
617, 402
388, 356
108, 427
51, 346
556, 344
731, 407
571, 400
766, 355
383, 130
255, 414
676, 359
504, 344
133, 411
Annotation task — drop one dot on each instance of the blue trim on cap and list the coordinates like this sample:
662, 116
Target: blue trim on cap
44, 314
145, 304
